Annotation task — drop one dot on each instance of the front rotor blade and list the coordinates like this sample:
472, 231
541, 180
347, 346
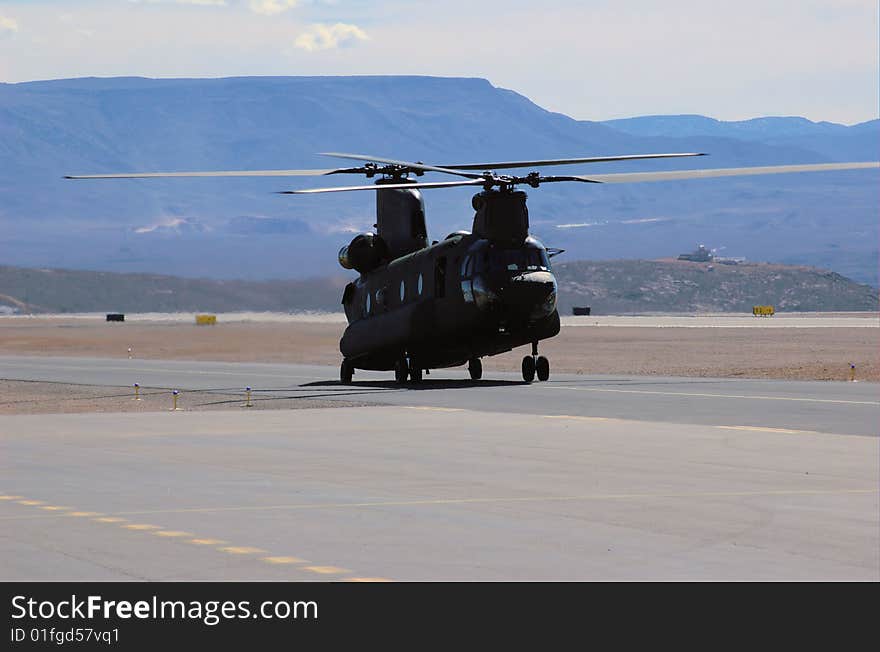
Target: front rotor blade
220, 173
566, 161
405, 164
386, 186
641, 177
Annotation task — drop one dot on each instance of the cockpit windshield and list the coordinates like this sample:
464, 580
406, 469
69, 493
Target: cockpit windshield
518, 260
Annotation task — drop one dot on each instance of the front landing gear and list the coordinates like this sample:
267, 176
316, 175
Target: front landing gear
475, 368
528, 368
535, 364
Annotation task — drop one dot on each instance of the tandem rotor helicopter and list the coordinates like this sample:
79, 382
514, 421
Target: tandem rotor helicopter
418, 305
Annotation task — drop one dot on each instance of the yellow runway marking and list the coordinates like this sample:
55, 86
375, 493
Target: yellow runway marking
699, 395
326, 570
578, 418
241, 550
159, 531
284, 560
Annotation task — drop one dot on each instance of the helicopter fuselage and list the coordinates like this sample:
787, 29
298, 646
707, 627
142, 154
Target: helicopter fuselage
462, 298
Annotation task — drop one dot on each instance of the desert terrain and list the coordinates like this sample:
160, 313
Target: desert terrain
702, 346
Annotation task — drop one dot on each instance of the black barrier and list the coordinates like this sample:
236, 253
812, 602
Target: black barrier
115, 316
579, 312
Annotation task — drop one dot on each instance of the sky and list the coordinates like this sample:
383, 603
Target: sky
590, 59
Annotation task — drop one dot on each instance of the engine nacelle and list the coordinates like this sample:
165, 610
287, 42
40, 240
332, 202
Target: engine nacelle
364, 253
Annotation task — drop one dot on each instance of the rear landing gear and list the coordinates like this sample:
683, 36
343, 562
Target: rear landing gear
535, 364
406, 368
475, 368
401, 370
346, 371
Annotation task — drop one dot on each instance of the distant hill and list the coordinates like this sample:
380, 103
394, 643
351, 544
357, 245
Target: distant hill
624, 286
856, 142
25, 290
617, 286
238, 228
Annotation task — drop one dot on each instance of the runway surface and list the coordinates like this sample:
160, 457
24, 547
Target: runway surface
831, 407
579, 478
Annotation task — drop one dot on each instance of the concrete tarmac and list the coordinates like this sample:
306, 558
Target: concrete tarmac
831, 407
580, 478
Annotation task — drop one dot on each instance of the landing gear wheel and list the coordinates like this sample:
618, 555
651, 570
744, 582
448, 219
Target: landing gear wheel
542, 367
475, 368
415, 374
346, 371
528, 368
401, 370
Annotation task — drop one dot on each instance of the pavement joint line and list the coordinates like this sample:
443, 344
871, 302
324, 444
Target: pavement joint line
509, 499
700, 395
784, 431
787, 431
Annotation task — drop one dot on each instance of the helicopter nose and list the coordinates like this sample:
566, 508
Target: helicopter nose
533, 293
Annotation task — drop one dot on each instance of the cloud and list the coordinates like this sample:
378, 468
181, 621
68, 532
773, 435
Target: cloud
326, 37
8, 26
272, 7
203, 3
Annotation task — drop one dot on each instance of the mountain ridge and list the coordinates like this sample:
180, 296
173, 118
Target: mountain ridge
241, 228
615, 286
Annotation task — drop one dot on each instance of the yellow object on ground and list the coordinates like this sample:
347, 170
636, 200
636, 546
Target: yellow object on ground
205, 320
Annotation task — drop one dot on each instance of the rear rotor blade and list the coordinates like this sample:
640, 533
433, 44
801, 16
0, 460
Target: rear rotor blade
220, 173
386, 186
641, 177
403, 164
566, 161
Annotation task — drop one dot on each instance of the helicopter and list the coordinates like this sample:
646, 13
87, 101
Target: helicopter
418, 305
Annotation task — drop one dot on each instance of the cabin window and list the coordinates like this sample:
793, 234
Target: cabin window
467, 291
420, 285
402, 291
367, 311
